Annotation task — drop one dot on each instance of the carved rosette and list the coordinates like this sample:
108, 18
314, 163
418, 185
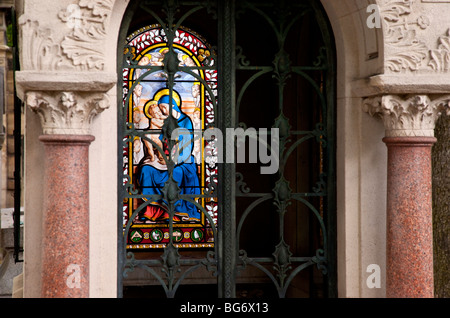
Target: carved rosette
66, 112
408, 116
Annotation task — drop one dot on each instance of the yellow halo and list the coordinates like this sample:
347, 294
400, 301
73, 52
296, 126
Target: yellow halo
147, 108
176, 97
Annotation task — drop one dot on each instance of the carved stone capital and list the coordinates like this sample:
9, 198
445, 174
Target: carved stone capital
66, 112
411, 115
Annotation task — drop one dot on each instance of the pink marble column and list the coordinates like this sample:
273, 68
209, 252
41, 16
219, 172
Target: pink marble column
65, 245
409, 218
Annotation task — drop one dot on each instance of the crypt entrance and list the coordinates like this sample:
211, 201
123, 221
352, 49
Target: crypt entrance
198, 217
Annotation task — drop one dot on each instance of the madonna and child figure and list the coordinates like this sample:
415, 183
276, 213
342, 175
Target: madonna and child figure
152, 171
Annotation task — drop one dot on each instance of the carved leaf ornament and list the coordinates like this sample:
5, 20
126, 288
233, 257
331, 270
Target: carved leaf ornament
406, 51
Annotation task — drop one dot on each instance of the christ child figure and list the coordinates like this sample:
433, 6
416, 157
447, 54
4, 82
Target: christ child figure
156, 124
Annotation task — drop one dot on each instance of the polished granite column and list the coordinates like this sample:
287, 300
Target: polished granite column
409, 250
65, 245
66, 118
409, 121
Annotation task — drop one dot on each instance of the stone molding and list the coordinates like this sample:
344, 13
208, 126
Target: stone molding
66, 102
402, 84
63, 81
410, 115
66, 113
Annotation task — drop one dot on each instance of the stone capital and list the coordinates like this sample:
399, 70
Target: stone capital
408, 115
66, 102
67, 112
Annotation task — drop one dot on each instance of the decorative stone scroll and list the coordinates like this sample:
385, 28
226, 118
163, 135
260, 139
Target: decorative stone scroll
440, 58
84, 45
411, 115
46, 48
406, 26
404, 49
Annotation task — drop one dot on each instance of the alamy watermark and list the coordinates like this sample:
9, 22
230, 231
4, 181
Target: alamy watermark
374, 279
73, 16
74, 278
374, 18
261, 148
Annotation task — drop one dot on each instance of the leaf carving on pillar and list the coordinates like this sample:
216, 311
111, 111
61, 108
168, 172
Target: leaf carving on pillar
85, 45
82, 49
413, 115
440, 58
40, 52
66, 112
404, 49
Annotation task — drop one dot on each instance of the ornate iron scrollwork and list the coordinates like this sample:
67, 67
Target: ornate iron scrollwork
215, 70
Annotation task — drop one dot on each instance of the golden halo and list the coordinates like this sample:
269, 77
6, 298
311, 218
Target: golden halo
176, 97
147, 108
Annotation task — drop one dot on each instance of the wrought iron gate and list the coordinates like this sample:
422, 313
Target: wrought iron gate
195, 220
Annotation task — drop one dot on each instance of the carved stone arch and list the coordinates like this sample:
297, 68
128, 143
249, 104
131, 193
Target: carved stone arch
359, 54
359, 49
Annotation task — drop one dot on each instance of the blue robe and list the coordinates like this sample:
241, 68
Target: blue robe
152, 180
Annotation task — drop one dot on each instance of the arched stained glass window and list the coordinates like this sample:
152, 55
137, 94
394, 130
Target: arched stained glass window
170, 97
195, 212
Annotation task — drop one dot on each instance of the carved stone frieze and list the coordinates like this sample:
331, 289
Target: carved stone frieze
88, 20
405, 51
412, 115
39, 51
406, 29
440, 58
66, 112
43, 47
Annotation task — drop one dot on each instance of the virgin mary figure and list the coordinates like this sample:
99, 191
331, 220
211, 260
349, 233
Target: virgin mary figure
152, 175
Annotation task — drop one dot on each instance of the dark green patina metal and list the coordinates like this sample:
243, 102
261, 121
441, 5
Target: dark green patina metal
227, 258
285, 264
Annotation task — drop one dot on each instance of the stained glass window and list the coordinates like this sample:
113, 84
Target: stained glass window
170, 179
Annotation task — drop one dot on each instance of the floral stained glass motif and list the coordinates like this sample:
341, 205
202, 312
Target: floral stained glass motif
149, 97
